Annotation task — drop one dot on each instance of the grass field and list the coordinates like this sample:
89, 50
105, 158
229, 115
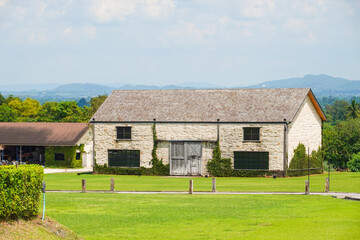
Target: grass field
163, 216
339, 182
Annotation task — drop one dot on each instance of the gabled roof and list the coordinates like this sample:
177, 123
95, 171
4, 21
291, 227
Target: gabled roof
227, 105
41, 134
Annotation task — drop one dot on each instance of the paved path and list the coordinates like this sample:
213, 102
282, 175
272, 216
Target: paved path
63, 170
352, 196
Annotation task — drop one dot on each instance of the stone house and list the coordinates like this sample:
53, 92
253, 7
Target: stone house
256, 128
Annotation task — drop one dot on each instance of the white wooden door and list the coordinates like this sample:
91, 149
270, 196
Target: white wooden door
185, 158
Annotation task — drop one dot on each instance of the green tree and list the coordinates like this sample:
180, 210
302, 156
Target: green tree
353, 110
11, 98
82, 102
7, 114
26, 110
67, 111
354, 163
2, 99
337, 111
341, 142
30, 108
96, 102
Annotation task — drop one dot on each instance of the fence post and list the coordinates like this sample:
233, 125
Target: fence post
214, 184
83, 185
307, 190
112, 184
191, 186
326, 184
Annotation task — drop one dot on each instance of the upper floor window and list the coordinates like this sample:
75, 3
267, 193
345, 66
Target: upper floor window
123, 133
251, 134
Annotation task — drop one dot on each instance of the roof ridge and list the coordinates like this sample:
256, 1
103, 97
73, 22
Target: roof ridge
202, 89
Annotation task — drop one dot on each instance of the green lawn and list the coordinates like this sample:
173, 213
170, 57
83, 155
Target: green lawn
165, 216
339, 182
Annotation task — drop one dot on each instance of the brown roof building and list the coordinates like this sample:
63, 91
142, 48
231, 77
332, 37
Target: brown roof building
49, 144
41, 133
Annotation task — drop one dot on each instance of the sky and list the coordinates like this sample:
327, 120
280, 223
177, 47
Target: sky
161, 42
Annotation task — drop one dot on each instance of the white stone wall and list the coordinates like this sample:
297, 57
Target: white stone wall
305, 129
271, 140
231, 139
141, 139
186, 131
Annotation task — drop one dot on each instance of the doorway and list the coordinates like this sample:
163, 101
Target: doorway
185, 158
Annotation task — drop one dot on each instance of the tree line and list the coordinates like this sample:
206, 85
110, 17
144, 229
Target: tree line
341, 134
14, 109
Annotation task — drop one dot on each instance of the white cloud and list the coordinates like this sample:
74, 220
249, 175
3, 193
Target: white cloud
186, 30
108, 10
310, 8
67, 31
37, 37
90, 30
256, 8
3, 3
296, 25
157, 8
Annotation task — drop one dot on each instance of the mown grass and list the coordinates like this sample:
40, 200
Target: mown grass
165, 216
339, 182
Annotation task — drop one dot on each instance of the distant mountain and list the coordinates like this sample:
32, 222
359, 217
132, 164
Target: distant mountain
82, 87
322, 85
28, 87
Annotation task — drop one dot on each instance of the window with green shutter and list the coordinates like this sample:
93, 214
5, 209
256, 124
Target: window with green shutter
124, 158
251, 160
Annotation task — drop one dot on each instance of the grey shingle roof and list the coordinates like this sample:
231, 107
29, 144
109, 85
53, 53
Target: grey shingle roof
41, 134
228, 105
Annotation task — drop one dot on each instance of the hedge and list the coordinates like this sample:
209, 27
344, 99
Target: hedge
99, 169
256, 173
303, 172
20, 191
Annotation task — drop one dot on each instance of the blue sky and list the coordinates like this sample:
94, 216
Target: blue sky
228, 43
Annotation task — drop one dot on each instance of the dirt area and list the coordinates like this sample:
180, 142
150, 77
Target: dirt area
35, 229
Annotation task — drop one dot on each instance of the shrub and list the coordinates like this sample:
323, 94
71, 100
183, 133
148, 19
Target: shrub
354, 163
99, 169
301, 161
20, 190
317, 159
218, 166
257, 173
303, 172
